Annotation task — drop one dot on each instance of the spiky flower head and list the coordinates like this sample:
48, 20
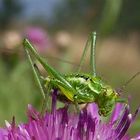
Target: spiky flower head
61, 125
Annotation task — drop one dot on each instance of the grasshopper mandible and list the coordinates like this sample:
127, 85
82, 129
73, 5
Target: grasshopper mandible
77, 87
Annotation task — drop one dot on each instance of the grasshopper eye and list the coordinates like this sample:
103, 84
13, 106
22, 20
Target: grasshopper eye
108, 91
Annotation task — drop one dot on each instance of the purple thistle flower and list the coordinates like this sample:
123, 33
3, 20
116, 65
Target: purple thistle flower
38, 37
61, 125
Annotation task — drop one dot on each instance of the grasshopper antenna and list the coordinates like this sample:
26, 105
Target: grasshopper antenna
130, 80
121, 89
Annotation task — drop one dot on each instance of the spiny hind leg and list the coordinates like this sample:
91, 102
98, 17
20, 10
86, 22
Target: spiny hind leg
36, 73
91, 42
47, 90
92, 55
37, 76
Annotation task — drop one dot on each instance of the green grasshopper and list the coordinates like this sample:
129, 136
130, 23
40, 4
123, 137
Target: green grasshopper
77, 88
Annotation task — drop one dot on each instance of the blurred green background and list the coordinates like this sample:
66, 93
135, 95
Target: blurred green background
59, 30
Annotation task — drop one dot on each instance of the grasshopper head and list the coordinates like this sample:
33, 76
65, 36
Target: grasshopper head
106, 101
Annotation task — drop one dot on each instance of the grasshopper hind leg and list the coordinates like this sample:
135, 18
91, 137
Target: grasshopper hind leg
46, 90
91, 43
92, 55
37, 76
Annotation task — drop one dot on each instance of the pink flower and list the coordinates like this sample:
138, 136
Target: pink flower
38, 37
61, 125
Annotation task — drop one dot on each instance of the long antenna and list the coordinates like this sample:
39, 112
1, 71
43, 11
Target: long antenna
133, 77
20, 52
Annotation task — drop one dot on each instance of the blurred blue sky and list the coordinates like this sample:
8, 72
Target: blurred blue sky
39, 8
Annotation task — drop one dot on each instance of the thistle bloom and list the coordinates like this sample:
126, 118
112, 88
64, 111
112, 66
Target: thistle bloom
61, 125
38, 37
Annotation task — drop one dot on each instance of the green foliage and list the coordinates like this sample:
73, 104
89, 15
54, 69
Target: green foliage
129, 18
111, 12
17, 89
9, 9
108, 16
79, 12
